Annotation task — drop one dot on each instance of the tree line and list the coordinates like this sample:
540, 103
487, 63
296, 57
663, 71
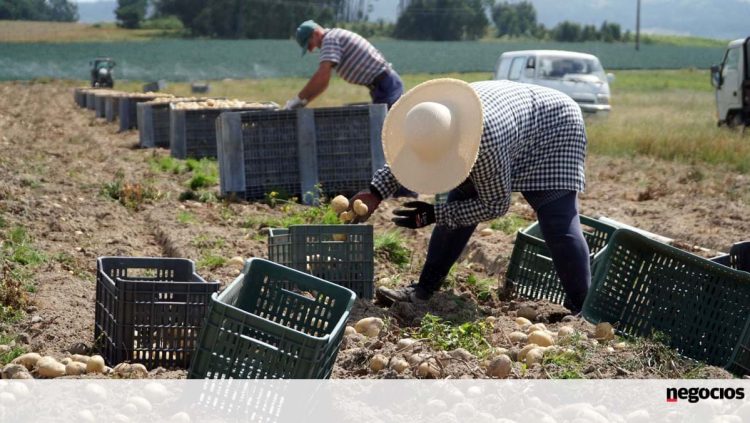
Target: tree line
38, 10
438, 20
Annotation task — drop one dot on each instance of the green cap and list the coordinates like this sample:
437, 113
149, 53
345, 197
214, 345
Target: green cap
304, 31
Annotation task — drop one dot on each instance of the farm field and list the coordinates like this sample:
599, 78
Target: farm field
185, 60
73, 189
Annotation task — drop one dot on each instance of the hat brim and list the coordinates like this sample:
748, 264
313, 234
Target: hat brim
454, 165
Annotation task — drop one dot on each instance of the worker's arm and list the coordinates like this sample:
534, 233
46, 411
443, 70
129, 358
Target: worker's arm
318, 83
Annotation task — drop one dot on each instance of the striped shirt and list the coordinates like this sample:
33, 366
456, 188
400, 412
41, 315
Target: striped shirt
355, 59
534, 139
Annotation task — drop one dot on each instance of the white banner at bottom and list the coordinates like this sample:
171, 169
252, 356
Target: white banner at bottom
444, 401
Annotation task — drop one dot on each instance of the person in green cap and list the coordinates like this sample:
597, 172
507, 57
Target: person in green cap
354, 59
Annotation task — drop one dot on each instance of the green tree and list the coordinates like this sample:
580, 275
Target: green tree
567, 31
589, 33
514, 19
130, 13
38, 10
610, 32
442, 20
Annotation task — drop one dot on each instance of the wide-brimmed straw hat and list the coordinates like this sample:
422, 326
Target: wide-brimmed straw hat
431, 135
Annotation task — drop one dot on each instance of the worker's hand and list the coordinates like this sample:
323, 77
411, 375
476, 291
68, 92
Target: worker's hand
371, 200
418, 215
295, 103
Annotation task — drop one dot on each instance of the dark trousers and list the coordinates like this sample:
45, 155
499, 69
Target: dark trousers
561, 228
387, 88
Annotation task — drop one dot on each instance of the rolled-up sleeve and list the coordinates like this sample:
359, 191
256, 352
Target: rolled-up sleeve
491, 176
385, 182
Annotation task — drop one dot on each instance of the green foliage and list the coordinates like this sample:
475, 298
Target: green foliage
167, 164
11, 354
295, 214
211, 261
443, 335
205, 173
18, 258
168, 23
442, 20
391, 245
185, 217
514, 19
509, 224
39, 10
18, 248
130, 195
130, 13
482, 288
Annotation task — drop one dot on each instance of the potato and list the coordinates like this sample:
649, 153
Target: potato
75, 368
378, 362
525, 350
541, 338
11, 370
237, 261
486, 232
428, 370
360, 208
349, 330
339, 237
346, 216
27, 360
604, 332
565, 332
417, 358
500, 367
522, 321
370, 326
398, 365
518, 337
339, 204
80, 358
65, 361
405, 343
535, 327
534, 356
620, 346
49, 367
95, 364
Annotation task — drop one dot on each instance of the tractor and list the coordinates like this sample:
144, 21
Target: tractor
101, 72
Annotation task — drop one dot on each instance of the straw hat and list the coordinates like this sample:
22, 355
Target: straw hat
431, 135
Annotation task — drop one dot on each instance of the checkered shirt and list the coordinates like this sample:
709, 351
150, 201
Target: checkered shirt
534, 139
356, 60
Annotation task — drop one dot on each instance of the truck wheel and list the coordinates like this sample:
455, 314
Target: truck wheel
735, 121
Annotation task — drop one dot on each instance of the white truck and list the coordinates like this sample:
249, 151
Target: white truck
732, 82
578, 75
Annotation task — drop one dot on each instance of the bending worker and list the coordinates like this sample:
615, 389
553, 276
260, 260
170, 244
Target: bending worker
480, 142
355, 60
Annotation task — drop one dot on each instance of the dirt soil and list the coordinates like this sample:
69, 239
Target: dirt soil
56, 158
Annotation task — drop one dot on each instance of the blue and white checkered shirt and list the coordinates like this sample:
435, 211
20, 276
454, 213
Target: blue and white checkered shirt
356, 60
534, 139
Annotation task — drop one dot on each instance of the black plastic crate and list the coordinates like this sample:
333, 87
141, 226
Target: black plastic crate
153, 125
91, 99
112, 108
149, 310
738, 257
294, 152
79, 96
644, 287
342, 254
128, 111
100, 101
740, 361
193, 133
531, 273
272, 322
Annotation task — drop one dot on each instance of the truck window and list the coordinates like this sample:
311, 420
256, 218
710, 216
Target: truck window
516, 67
502, 70
732, 61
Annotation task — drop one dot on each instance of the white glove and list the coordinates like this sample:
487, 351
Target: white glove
295, 103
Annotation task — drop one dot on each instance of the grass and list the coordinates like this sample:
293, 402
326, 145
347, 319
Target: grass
185, 217
482, 288
391, 245
443, 335
66, 32
132, 195
509, 224
11, 354
295, 214
19, 258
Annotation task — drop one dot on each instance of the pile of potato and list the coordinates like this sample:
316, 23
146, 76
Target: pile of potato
30, 365
340, 206
162, 100
219, 104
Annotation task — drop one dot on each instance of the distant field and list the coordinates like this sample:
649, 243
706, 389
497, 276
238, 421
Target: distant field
61, 32
184, 60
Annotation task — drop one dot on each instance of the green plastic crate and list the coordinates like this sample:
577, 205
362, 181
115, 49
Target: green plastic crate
644, 286
272, 322
342, 254
740, 361
532, 274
